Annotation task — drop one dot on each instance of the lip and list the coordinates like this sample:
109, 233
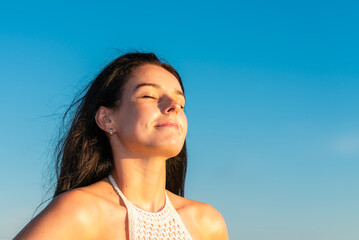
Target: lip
168, 124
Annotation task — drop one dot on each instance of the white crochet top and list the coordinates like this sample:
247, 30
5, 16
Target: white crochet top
163, 225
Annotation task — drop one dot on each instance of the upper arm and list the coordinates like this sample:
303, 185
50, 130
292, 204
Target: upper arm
66, 217
213, 224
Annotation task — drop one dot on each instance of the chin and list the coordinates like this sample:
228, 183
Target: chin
167, 149
170, 152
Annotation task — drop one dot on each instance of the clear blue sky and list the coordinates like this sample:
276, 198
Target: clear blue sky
272, 101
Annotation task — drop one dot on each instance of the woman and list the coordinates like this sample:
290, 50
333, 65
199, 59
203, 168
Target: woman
122, 163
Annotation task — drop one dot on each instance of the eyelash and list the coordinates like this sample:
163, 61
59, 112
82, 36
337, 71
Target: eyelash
146, 96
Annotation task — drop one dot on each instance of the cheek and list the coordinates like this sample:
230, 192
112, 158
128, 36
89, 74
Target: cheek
127, 119
183, 121
143, 119
130, 118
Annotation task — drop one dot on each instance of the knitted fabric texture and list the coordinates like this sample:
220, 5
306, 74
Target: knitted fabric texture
163, 225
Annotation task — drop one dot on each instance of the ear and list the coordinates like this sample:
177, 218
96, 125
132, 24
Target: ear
102, 119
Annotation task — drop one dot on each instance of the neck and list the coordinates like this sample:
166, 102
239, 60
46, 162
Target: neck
142, 181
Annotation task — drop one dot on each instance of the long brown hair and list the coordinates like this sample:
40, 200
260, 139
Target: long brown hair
83, 154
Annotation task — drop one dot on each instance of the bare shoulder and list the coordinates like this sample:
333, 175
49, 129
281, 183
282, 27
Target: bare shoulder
70, 215
80, 204
202, 219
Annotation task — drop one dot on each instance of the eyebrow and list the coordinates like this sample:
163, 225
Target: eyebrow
154, 85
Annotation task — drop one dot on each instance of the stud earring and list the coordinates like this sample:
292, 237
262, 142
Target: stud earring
111, 131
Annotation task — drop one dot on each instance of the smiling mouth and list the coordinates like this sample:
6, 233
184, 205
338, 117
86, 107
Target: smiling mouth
168, 124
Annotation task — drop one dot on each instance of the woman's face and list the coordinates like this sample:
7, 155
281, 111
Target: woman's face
150, 120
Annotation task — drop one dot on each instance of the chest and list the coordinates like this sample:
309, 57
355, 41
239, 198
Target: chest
115, 225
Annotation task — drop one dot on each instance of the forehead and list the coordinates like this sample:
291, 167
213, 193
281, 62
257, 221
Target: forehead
155, 75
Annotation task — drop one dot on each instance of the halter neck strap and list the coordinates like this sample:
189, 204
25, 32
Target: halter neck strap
128, 203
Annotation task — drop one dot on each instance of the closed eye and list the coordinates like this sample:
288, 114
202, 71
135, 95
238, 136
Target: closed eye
148, 97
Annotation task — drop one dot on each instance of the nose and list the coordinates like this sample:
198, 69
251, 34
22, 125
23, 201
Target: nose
173, 106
